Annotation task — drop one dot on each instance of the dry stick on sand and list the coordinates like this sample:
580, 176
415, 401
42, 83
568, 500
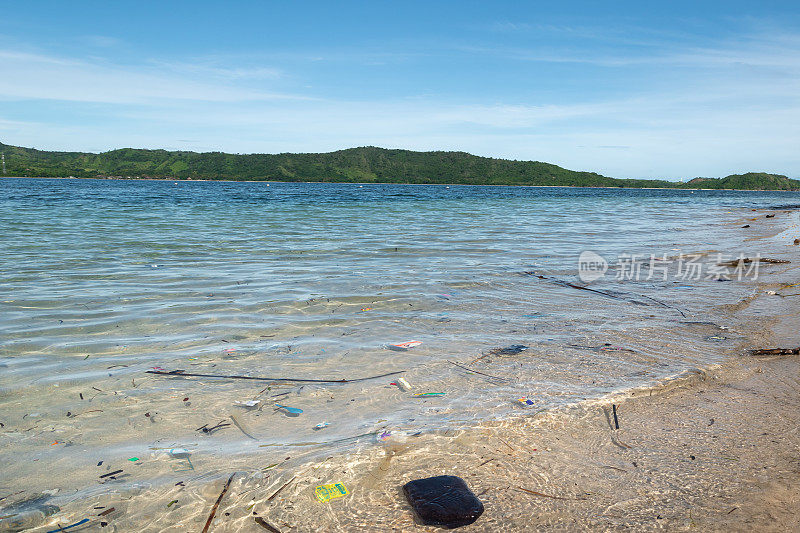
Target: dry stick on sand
216, 504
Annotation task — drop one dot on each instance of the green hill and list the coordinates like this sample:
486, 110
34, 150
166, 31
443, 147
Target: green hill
760, 181
363, 165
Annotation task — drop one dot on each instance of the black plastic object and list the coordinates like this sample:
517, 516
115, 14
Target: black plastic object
444, 501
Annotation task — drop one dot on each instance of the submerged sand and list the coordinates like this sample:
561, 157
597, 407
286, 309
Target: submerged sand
715, 449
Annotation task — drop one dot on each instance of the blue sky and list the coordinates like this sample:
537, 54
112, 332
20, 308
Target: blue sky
672, 89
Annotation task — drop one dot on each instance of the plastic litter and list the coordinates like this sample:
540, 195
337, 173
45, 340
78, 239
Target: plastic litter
22, 517
402, 384
294, 411
325, 493
250, 404
403, 346
428, 394
525, 400
64, 528
321, 425
179, 453
444, 501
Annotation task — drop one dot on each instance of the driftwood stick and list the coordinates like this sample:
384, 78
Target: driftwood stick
542, 494
776, 351
256, 378
266, 525
216, 504
476, 372
280, 489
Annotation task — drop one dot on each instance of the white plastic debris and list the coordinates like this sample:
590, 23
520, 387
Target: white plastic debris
403, 384
179, 453
248, 403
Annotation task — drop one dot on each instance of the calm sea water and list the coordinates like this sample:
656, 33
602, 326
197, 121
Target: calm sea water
102, 280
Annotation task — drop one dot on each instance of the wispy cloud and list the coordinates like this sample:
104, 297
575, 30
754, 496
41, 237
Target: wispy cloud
31, 76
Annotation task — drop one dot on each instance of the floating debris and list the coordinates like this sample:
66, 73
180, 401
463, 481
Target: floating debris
776, 351
64, 528
325, 493
179, 453
250, 404
514, 349
181, 373
209, 430
747, 261
428, 394
294, 411
403, 346
402, 384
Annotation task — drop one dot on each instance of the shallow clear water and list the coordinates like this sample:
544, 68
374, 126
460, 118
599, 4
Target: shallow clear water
101, 281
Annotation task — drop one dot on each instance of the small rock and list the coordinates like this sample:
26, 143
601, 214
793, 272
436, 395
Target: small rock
444, 501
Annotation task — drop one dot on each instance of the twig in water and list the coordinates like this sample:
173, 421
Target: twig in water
280, 489
776, 351
266, 525
507, 444
476, 372
216, 504
238, 425
542, 495
255, 378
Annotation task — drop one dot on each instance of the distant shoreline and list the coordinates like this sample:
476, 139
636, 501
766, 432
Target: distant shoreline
398, 183
364, 164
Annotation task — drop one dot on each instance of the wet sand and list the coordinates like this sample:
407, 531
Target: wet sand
711, 450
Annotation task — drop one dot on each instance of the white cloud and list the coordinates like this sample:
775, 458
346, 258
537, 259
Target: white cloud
30, 76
